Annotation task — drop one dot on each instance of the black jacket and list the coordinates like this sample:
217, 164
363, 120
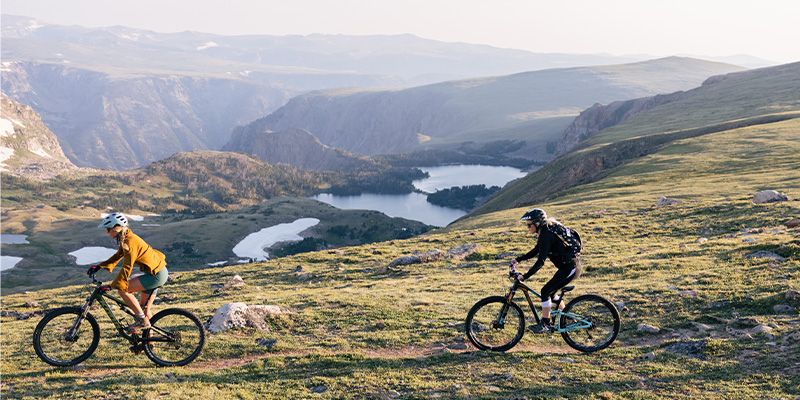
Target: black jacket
549, 245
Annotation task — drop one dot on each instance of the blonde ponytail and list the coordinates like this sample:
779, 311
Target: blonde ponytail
122, 233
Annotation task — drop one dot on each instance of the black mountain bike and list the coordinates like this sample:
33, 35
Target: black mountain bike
588, 323
69, 335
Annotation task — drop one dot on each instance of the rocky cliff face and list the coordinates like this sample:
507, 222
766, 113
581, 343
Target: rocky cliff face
27, 147
599, 117
124, 122
296, 147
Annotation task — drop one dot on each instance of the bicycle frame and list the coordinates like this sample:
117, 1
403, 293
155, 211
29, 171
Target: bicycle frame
578, 321
100, 294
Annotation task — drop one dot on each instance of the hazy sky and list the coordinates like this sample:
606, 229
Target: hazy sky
769, 29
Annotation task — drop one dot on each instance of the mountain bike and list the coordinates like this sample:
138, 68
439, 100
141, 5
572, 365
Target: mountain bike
588, 323
69, 335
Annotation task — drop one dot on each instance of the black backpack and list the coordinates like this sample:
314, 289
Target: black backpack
570, 237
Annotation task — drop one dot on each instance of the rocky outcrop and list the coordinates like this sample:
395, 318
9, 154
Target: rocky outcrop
296, 147
27, 147
598, 117
124, 122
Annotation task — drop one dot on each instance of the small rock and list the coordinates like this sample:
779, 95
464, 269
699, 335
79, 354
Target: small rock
649, 356
760, 329
665, 201
235, 282
458, 346
568, 360
459, 253
769, 196
766, 254
647, 328
319, 389
493, 388
269, 344
794, 223
32, 304
792, 294
393, 394
380, 325
701, 240
691, 348
783, 309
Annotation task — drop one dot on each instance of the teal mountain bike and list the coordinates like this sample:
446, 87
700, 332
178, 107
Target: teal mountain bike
588, 323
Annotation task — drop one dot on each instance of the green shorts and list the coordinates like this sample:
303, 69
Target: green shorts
152, 282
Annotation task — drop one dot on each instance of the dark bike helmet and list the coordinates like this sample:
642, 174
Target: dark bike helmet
535, 216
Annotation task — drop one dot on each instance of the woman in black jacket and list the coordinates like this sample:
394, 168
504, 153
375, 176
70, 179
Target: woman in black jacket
548, 245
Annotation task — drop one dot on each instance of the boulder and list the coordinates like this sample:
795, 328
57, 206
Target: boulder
766, 254
239, 315
666, 201
769, 196
235, 282
460, 253
647, 328
691, 348
793, 223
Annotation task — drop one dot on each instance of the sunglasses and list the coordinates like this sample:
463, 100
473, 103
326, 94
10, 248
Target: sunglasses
530, 225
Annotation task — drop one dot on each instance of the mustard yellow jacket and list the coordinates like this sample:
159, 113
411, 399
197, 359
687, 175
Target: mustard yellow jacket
148, 260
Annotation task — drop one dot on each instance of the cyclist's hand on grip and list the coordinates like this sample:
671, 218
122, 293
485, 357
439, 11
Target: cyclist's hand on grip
94, 268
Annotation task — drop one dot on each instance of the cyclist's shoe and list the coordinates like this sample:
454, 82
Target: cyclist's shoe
541, 327
138, 326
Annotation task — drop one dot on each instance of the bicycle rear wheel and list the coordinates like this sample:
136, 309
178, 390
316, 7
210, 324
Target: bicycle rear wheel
495, 325
592, 323
61, 339
176, 337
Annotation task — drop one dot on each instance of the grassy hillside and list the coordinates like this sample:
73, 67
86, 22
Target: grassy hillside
360, 329
752, 98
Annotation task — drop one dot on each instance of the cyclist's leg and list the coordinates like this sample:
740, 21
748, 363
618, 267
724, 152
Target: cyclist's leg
561, 278
127, 295
149, 284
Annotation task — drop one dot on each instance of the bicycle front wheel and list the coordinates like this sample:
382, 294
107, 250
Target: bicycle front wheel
591, 323
176, 337
62, 338
494, 324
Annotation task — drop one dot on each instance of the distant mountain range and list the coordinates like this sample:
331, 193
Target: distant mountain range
533, 106
121, 98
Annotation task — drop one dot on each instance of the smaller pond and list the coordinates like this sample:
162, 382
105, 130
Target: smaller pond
253, 246
7, 238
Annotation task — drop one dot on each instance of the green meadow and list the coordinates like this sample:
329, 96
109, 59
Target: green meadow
357, 328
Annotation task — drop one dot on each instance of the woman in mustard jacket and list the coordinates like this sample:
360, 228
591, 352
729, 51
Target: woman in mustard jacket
134, 251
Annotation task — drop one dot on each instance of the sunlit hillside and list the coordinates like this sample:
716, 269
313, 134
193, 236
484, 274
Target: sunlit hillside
705, 314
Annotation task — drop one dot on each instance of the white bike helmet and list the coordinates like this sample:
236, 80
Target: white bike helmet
113, 219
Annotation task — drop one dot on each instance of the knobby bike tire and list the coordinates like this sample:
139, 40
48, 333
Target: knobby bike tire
603, 316
484, 330
185, 333
53, 346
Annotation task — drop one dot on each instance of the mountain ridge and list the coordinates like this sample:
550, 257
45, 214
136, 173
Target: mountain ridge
373, 121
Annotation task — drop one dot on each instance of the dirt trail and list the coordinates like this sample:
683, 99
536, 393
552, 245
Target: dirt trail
95, 371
